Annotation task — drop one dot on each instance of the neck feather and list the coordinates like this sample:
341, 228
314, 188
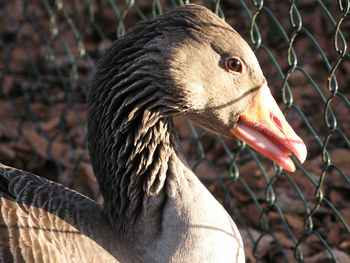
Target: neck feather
140, 169
130, 146
130, 130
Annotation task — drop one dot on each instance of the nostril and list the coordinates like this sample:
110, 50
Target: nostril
276, 121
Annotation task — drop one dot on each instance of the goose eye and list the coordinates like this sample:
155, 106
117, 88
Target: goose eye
234, 65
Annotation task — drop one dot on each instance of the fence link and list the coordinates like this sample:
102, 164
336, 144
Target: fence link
48, 53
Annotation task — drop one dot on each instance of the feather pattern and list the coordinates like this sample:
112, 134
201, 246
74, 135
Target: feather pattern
35, 225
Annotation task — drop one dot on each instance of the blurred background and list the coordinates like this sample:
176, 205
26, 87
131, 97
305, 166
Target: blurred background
48, 51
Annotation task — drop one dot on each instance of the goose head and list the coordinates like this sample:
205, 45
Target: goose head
186, 62
219, 85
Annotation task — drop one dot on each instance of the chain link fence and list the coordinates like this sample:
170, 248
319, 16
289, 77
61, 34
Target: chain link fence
48, 53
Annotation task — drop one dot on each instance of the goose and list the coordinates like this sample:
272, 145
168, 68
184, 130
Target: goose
187, 62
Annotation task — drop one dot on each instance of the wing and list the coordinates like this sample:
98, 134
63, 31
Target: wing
42, 221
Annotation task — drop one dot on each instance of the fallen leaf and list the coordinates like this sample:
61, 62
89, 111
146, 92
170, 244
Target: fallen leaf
325, 257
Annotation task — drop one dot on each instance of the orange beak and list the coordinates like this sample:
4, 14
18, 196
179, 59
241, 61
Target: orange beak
264, 128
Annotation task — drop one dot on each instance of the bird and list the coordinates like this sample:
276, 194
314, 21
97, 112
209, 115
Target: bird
185, 63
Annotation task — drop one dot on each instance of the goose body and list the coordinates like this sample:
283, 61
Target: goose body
187, 62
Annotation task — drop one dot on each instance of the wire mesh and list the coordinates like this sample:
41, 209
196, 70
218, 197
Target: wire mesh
49, 51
